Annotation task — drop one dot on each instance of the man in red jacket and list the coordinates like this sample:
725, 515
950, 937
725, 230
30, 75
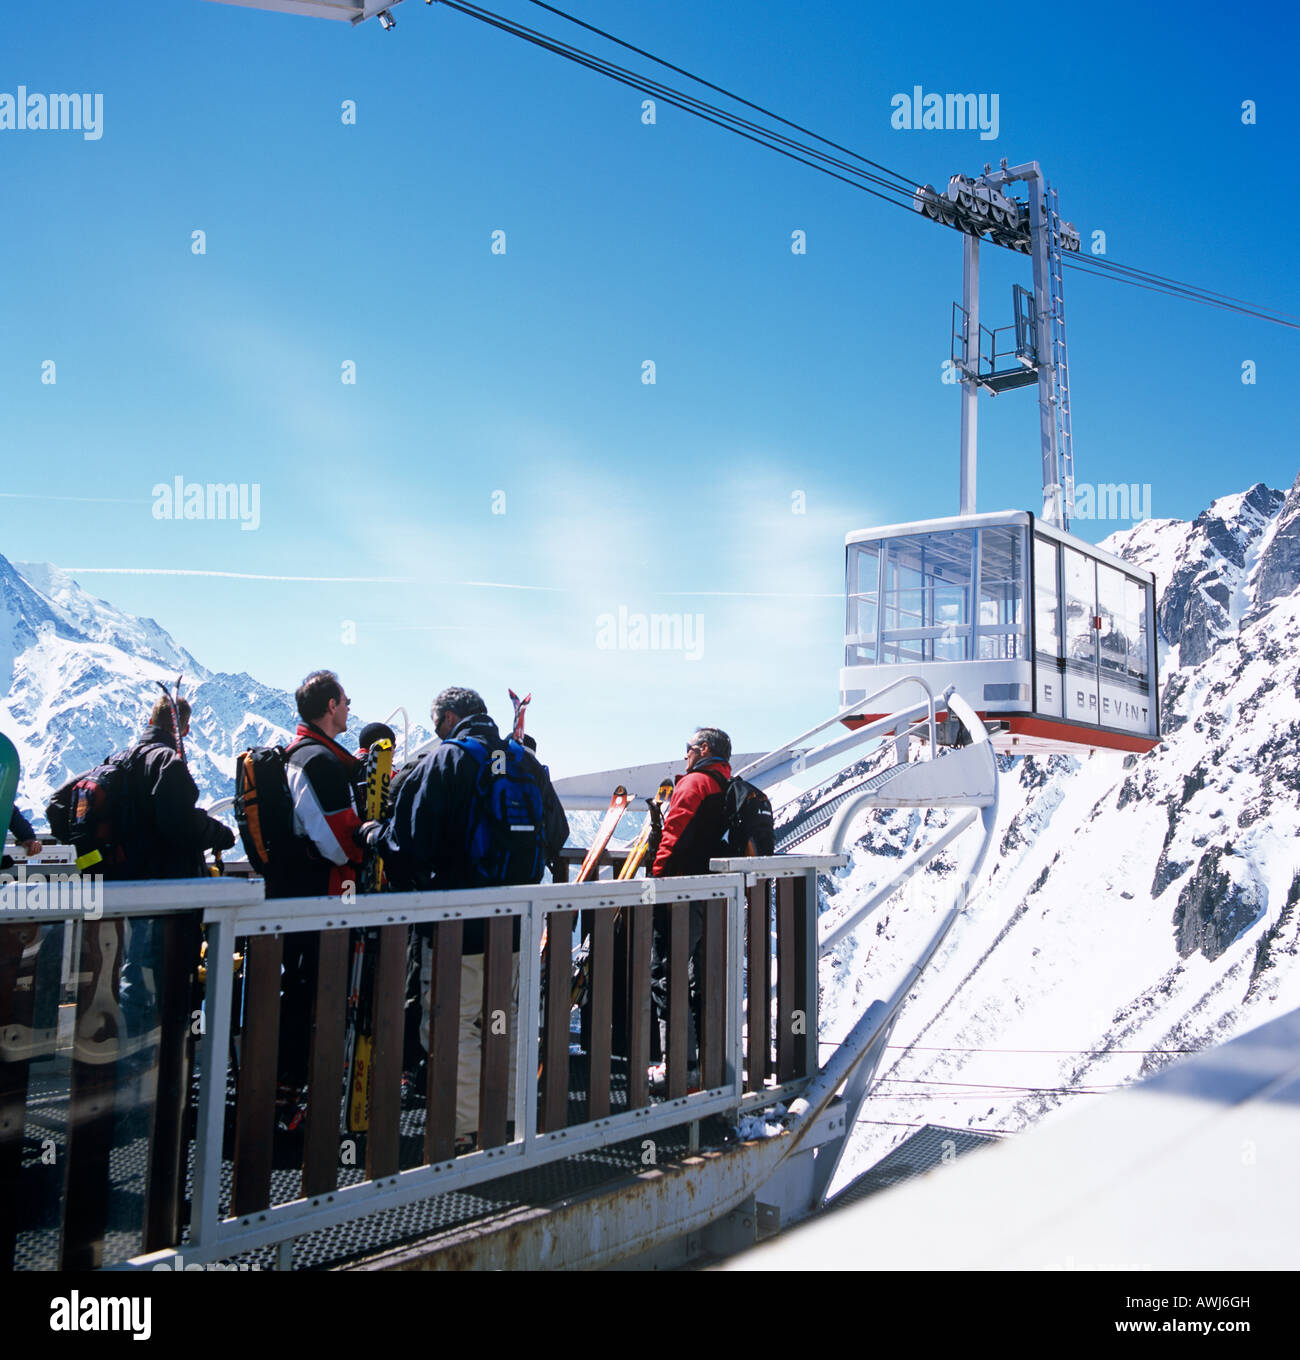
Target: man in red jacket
326, 860
320, 774
692, 836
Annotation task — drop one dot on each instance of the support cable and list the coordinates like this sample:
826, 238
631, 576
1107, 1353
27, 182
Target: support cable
892, 182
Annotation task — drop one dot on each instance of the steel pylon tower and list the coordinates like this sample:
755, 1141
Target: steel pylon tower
1039, 353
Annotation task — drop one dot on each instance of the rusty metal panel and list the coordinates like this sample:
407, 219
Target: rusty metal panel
92, 1096
679, 943
181, 937
649, 1211
444, 1041
18, 944
320, 1165
383, 1142
494, 1078
255, 1104
759, 981
554, 1111
602, 1013
640, 925
713, 993
788, 976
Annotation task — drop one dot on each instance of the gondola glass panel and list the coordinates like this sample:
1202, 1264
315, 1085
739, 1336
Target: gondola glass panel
926, 605
1002, 573
1080, 637
864, 588
1047, 627
1125, 691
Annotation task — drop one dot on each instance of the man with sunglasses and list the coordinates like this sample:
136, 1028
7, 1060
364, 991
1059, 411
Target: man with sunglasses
692, 835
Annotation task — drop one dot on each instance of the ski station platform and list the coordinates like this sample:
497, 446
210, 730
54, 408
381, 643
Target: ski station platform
145, 1139
1193, 1168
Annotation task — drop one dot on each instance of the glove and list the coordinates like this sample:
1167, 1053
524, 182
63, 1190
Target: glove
223, 838
367, 834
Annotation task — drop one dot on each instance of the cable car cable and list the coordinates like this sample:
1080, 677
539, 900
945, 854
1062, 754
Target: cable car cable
772, 140
908, 183
1186, 293
690, 104
1190, 288
905, 187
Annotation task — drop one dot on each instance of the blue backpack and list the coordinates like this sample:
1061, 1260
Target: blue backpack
505, 834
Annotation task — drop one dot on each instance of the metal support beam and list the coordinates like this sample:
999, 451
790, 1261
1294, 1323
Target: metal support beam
970, 388
1039, 245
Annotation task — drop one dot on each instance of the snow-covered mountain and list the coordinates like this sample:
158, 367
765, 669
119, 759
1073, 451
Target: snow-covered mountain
79, 675
1133, 908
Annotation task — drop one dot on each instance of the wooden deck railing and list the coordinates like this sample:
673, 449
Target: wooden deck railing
559, 1109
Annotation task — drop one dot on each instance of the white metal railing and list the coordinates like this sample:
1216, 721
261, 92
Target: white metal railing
238, 909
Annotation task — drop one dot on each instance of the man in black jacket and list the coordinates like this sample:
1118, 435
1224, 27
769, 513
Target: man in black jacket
165, 834
431, 835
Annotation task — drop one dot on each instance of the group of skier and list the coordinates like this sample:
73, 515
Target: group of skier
475, 810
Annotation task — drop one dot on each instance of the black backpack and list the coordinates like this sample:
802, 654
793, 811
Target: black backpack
92, 812
505, 835
746, 818
264, 808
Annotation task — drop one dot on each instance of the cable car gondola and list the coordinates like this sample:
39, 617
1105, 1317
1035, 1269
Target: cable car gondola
1049, 638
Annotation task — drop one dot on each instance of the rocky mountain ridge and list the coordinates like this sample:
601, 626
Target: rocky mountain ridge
79, 675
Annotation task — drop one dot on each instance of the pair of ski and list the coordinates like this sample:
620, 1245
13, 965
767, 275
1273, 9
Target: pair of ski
636, 854
377, 774
656, 807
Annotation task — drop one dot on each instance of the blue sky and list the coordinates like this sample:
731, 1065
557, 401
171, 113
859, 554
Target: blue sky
514, 381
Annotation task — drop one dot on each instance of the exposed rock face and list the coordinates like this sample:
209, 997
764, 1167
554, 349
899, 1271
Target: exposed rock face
1214, 908
1201, 606
1279, 567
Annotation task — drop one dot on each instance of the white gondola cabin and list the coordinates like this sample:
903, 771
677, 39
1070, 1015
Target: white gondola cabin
950, 600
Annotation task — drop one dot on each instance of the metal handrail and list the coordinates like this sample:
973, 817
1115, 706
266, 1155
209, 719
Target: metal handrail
773, 758
238, 908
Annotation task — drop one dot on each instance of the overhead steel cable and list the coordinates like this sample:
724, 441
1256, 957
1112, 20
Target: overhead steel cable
908, 183
1189, 293
1191, 288
792, 149
710, 113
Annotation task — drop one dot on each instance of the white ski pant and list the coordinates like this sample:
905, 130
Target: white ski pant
470, 1031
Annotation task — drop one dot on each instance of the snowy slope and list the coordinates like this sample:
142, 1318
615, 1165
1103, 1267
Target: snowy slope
78, 677
1133, 907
